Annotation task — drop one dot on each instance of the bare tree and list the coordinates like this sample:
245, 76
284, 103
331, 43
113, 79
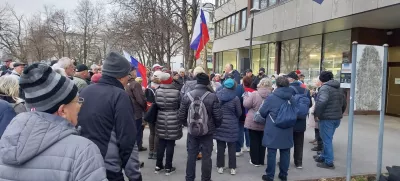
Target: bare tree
12, 33
89, 19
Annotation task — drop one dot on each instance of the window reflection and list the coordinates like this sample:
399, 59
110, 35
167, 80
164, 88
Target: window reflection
271, 58
336, 47
255, 58
264, 57
289, 56
310, 57
229, 57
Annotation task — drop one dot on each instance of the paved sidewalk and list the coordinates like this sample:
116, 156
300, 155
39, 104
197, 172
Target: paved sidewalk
364, 154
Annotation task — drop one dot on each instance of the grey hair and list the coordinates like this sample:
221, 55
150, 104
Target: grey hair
9, 85
64, 62
265, 82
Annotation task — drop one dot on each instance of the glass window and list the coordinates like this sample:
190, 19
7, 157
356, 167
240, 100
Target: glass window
232, 23
289, 56
255, 59
310, 57
256, 4
244, 19
263, 56
336, 48
263, 4
272, 2
216, 35
228, 25
222, 27
237, 21
271, 59
229, 57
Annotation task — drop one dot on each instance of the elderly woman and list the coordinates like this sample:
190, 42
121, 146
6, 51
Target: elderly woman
252, 103
9, 91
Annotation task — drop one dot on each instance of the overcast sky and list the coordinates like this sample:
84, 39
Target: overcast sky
29, 7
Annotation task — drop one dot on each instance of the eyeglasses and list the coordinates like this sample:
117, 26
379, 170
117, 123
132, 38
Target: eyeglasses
81, 100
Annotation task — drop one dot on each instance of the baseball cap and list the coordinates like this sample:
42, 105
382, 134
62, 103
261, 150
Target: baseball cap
81, 68
157, 66
249, 70
16, 64
262, 70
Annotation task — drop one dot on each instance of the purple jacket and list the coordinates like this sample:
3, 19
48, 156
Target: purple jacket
253, 102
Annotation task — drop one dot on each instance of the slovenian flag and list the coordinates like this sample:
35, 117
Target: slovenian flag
319, 1
141, 70
200, 35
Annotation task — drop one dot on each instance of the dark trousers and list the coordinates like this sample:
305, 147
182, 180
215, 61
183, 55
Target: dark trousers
193, 146
298, 138
257, 151
318, 138
153, 139
139, 133
221, 145
167, 147
284, 161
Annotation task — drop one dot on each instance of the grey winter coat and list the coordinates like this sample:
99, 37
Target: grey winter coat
331, 102
40, 146
168, 126
231, 111
252, 102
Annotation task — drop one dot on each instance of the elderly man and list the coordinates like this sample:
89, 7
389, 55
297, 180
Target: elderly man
6, 69
67, 65
18, 69
229, 72
81, 76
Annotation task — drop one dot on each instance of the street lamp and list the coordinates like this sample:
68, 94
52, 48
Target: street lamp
252, 12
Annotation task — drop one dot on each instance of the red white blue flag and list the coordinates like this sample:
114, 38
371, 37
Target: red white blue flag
200, 35
141, 70
319, 1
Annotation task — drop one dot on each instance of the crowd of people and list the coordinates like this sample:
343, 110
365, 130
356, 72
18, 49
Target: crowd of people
67, 122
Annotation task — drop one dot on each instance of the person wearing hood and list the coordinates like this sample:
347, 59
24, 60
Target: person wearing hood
168, 126
135, 92
276, 138
329, 108
228, 132
9, 91
43, 145
107, 118
252, 103
301, 123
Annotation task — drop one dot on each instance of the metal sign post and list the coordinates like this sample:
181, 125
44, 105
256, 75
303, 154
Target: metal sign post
382, 111
351, 110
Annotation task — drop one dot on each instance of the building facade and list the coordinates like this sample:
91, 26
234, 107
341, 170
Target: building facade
302, 34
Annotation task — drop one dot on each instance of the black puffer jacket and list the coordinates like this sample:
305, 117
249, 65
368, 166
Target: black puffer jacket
168, 125
330, 103
212, 105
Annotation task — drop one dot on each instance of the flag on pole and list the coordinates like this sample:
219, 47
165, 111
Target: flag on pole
200, 35
140, 68
319, 1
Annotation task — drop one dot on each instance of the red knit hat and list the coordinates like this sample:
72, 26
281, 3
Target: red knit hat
95, 78
298, 72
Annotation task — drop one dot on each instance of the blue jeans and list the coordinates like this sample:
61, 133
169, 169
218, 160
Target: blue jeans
327, 130
243, 133
284, 161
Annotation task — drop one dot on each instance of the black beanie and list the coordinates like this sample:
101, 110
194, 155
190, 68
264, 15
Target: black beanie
325, 76
293, 75
203, 79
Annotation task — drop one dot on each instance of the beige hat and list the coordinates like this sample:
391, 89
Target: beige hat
198, 70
